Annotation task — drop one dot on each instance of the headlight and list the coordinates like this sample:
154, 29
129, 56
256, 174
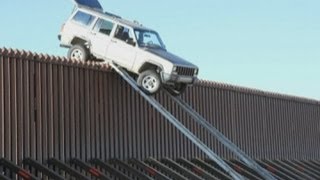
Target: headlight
196, 71
174, 69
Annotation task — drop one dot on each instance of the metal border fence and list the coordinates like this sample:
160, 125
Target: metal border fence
53, 107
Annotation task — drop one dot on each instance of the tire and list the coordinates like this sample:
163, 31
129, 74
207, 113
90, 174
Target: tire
177, 89
78, 53
149, 81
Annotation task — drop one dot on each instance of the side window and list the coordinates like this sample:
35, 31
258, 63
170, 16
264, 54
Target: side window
123, 34
104, 27
83, 18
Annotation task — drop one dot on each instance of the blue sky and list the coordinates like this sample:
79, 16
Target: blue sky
272, 45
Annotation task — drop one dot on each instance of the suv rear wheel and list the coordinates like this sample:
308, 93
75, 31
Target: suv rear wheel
78, 52
149, 81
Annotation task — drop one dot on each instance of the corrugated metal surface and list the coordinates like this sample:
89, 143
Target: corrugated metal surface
51, 107
164, 168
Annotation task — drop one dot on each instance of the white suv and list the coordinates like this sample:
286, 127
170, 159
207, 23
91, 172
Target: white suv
91, 33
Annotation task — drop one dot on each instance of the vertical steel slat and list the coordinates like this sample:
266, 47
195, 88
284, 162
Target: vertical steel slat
313, 131
72, 93
55, 112
296, 140
38, 112
173, 131
86, 119
262, 127
97, 106
246, 123
292, 133
110, 116
81, 113
121, 121
270, 146
233, 127
101, 118
115, 119
130, 124
205, 135
140, 116
13, 99
148, 133
167, 131
159, 126
278, 142
106, 110
190, 148
67, 129
50, 97
77, 111
92, 119
252, 125
20, 108
33, 138
228, 112
44, 112
61, 112
2, 104
267, 137
26, 105
7, 109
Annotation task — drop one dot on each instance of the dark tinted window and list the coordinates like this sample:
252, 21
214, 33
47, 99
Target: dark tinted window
123, 33
104, 27
83, 18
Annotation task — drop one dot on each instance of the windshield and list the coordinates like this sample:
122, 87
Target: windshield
147, 38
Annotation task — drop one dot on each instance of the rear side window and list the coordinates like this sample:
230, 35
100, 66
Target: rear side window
83, 18
104, 27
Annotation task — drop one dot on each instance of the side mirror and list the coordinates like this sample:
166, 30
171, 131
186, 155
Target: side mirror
131, 42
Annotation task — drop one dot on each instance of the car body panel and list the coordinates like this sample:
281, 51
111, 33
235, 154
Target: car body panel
169, 56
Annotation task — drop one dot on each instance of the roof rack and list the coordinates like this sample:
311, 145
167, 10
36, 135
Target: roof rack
112, 15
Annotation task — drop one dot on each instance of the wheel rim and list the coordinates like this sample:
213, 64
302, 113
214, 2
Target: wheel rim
77, 55
150, 83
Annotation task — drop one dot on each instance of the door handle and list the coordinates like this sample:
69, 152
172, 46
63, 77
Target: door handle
93, 33
114, 41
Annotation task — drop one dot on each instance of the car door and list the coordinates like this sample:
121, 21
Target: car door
100, 38
122, 48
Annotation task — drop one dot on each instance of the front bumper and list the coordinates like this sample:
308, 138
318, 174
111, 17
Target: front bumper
174, 78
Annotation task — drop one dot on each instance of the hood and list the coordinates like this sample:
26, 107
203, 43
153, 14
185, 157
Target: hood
94, 4
170, 57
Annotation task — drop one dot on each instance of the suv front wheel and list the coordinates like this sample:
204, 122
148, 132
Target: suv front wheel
78, 52
149, 81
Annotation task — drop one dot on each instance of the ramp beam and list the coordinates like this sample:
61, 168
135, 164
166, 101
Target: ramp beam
222, 138
178, 124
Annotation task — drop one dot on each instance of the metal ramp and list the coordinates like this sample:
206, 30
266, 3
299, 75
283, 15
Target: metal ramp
199, 119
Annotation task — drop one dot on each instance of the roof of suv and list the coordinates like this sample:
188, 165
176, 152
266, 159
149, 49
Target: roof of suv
113, 17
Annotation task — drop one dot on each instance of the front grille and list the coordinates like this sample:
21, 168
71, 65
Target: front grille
184, 71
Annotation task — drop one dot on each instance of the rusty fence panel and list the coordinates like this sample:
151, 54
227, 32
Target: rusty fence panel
51, 107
